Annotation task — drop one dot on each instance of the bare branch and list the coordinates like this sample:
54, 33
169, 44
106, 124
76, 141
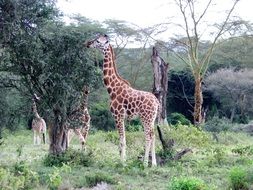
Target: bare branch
204, 12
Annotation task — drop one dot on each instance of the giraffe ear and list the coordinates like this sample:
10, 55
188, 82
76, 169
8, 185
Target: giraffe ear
106, 36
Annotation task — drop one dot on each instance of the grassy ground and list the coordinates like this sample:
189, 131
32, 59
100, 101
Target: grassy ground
209, 160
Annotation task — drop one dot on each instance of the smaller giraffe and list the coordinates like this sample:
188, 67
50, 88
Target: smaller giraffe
82, 116
38, 125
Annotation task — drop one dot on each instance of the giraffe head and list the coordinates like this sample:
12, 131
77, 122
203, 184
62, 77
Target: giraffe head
101, 42
86, 90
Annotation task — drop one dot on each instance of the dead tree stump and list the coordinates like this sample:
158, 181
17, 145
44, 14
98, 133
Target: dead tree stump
160, 85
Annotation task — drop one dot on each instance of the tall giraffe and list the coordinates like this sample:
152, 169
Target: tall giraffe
127, 102
38, 125
80, 115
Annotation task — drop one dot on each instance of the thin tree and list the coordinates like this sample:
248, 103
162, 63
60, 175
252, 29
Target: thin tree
199, 61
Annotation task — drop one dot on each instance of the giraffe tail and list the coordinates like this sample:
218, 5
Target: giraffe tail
44, 137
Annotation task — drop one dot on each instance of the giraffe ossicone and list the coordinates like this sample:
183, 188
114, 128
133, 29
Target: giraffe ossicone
127, 102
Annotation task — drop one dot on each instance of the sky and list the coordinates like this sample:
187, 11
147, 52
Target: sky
144, 13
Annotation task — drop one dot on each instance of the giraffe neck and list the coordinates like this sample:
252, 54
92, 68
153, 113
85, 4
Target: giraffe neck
84, 102
35, 112
112, 80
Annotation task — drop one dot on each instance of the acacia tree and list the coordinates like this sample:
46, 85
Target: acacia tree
44, 56
198, 61
67, 70
20, 22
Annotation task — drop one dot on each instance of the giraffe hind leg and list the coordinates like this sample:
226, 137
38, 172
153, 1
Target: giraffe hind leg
149, 142
44, 138
153, 150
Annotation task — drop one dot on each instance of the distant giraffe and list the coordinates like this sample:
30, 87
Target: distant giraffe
38, 125
127, 102
80, 115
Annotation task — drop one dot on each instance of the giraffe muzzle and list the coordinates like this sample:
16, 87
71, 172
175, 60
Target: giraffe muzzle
88, 44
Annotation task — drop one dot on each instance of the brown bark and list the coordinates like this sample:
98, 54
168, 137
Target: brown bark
198, 96
58, 133
180, 154
160, 85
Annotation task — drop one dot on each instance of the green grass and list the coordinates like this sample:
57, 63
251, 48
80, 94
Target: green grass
210, 162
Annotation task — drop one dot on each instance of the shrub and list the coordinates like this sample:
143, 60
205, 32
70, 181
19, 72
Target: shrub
112, 137
20, 150
167, 154
244, 119
189, 136
101, 117
133, 128
133, 167
54, 179
31, 177
238, 179
21, 177
246, 150
9, 181
216, 124
176, 118
219, 154
185, 183
134, 125
93, 179
72, 157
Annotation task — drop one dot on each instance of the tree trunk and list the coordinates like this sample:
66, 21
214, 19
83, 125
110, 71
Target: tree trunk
198, 97
160, 85
58, 133
232, 114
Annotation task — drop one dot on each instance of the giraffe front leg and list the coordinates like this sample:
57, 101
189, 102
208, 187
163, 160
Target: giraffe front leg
85, 132
38, 138
147, 150
34, 138
122, 139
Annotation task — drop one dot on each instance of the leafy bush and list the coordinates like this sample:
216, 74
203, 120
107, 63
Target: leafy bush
54, 179
31, 177
133, 128
133, 167
246, 150
93, 179
72, 157
219, 154
176, 118
216, 124
244, 119
20, 150
238, 179
185, 183
9, 181
188, 135
21, 177
134, 125
112, 137
101, 117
